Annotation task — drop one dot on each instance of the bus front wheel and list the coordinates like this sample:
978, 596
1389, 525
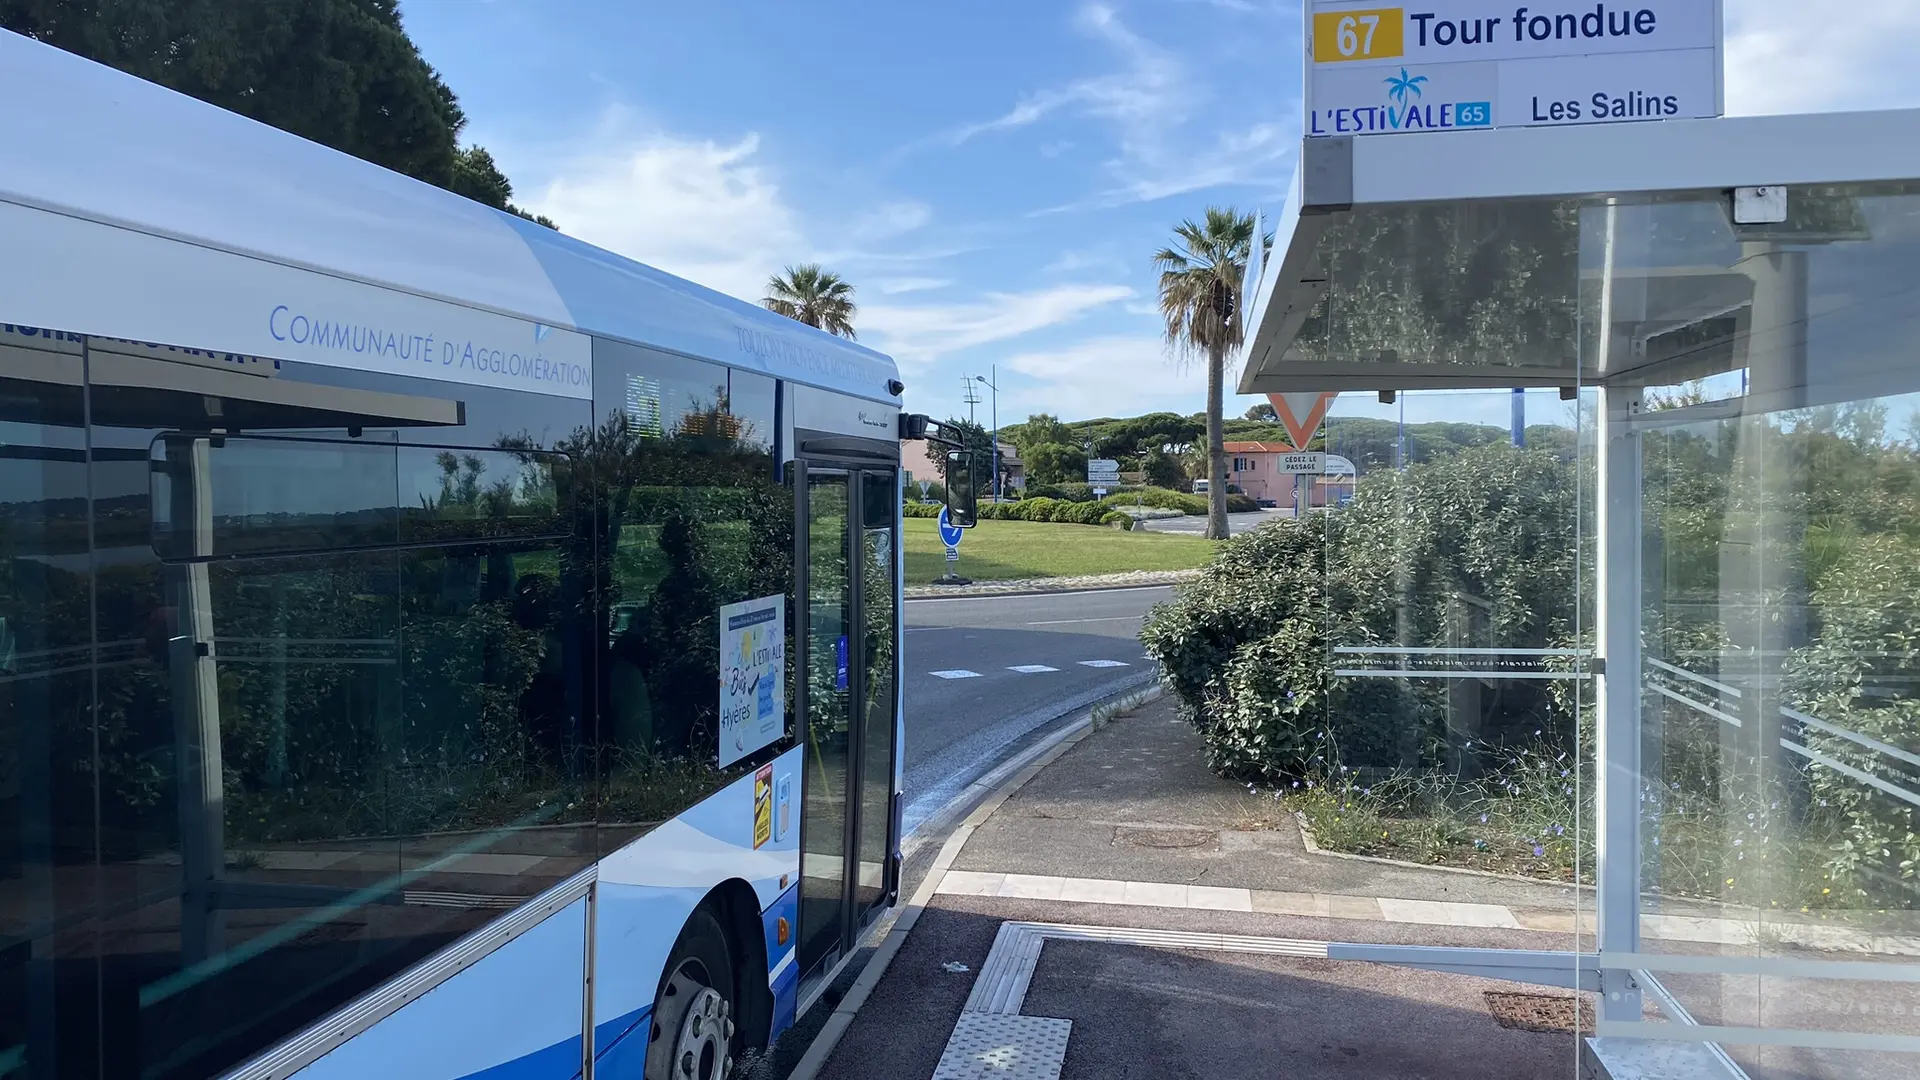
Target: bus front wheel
692, 1036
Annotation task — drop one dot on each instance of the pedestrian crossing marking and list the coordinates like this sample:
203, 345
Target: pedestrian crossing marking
1104, 663
1032, 669
955, 673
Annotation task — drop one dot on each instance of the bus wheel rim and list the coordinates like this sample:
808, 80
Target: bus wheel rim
701, 1047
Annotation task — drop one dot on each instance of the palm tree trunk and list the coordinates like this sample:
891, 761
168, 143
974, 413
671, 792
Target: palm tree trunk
1216, 451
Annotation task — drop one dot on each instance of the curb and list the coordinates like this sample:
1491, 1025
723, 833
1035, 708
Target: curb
929, 592
1024, 768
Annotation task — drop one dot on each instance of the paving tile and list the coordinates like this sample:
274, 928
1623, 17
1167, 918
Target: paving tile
1315, 905
1156, 894
971, 883
1094, 891
1447, 913
1559, 921
1009, 1047
1031, 886
1354, 907
1214, 898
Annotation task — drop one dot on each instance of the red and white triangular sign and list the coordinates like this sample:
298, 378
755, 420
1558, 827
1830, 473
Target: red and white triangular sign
1302, 414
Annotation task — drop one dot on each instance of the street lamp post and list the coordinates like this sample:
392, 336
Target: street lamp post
995, 369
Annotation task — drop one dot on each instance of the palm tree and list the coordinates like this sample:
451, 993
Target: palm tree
818, 297
1200, 297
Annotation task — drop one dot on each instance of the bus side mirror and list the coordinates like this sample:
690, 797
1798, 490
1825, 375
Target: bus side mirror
962, 504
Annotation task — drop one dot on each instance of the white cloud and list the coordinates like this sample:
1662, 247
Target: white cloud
698, 208
1149, 103
896, 286
890, 219
1149, 92
917, 335
1070, 262
1801, 56
1104, 376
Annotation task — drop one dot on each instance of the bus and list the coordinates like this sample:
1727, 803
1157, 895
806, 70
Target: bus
430, 645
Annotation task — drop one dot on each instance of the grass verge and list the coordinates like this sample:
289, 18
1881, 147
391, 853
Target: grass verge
1009, 550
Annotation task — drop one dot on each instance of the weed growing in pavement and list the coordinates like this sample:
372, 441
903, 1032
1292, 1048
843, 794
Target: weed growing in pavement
1107, 712
1530, 815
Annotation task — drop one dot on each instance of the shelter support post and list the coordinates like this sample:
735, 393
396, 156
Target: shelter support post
1617, 699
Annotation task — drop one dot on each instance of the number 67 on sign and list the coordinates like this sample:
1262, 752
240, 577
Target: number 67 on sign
1372, 34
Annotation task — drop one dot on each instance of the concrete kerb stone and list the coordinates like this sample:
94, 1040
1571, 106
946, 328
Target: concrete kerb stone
1132, 579
1040, 757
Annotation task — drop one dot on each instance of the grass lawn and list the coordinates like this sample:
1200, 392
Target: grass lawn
1002, 550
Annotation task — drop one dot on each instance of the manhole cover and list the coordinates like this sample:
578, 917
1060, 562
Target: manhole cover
1162, 838
1549, 1013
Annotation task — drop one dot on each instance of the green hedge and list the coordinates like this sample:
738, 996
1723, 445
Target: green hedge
1040, 509
1488, 536
1076, 491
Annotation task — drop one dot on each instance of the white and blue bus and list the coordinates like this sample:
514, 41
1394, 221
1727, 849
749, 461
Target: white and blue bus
430, 646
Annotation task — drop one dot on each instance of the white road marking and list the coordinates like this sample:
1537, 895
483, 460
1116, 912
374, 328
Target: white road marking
1109, 618
1104, 663
955, 673
1032, 669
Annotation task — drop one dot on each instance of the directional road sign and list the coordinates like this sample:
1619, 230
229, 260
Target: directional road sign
950, 533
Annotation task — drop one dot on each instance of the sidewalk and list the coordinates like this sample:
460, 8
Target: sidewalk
1117, 917
1125, 913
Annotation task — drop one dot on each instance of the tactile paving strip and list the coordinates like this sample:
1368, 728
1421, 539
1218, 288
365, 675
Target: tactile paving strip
999, 1046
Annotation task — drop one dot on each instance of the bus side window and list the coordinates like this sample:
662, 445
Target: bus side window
692, 520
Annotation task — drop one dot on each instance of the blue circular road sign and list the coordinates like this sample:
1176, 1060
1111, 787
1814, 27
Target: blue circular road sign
950, 534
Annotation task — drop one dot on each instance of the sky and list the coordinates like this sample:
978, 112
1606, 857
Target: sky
992, 177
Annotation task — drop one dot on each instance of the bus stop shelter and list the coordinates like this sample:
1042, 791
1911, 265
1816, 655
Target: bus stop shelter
1726, 282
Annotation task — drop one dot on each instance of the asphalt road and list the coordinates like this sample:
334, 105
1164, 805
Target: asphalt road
967, 705
1236, 523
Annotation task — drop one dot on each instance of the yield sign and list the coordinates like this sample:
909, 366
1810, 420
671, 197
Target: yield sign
1302, 414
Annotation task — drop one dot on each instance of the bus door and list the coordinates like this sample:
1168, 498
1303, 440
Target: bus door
850, 554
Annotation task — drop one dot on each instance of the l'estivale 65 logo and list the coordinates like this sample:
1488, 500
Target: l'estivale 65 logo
1408, 107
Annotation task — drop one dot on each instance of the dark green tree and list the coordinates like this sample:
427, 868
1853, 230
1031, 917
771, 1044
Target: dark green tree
477, 177
1054, 463
342, 73
979, 441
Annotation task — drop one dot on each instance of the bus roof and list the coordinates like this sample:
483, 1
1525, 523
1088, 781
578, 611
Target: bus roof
98, 147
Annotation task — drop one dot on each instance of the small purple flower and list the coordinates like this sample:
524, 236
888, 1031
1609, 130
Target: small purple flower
1538, 851
1483, 819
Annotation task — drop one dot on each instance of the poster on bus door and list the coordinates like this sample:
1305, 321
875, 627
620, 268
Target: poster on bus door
753, 675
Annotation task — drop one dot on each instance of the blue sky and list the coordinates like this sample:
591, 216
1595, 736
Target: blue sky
992, 176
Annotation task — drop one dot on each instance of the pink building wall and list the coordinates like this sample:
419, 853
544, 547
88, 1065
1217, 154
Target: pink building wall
1254, 467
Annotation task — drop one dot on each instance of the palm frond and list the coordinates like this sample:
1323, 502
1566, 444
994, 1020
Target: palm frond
811, 294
